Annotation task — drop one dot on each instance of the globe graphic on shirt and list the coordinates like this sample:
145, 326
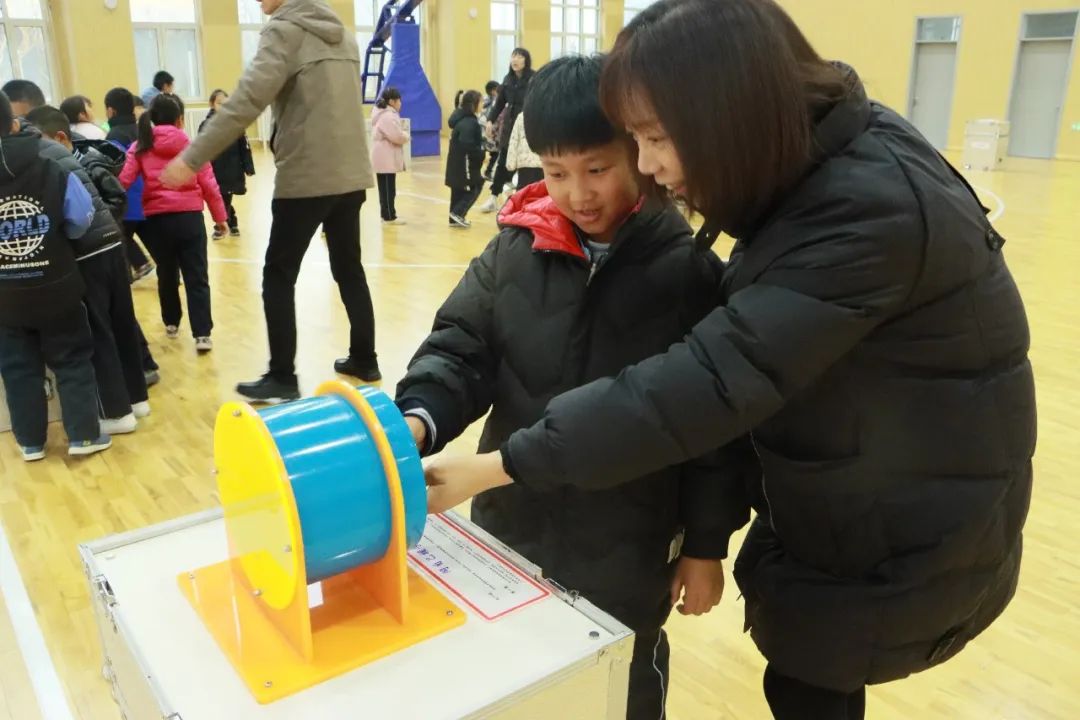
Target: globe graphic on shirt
25, 244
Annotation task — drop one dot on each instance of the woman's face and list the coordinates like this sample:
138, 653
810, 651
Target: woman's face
218, 101
395, 103
517, 62
657, 156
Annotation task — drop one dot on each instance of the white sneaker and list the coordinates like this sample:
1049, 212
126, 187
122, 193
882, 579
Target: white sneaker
204, 344
141, 409
490, 205
119, 426
172, 332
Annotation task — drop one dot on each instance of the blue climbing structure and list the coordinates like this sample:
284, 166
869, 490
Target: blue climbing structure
397, 64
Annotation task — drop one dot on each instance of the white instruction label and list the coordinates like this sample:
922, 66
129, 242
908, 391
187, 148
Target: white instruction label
457, 561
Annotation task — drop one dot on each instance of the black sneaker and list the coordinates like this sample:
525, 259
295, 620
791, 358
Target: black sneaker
368, 372
269, 391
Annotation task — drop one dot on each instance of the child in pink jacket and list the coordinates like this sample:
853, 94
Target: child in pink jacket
387, 150
174, 231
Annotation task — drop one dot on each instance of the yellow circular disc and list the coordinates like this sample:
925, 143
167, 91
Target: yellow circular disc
261, 519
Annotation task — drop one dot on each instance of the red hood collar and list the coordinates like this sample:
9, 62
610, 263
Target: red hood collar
532, 208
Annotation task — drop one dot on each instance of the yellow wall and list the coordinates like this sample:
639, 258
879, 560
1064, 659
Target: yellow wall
877, 39
95, 50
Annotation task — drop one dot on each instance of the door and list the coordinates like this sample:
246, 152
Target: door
931, 101
1038, 94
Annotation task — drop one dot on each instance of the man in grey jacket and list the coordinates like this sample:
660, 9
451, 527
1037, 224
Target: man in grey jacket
308, 67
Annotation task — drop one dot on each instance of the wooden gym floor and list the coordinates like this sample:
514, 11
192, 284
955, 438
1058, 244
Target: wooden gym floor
1026, 666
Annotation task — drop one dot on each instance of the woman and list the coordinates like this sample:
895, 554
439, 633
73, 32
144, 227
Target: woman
232, 167
509, 104
871, 342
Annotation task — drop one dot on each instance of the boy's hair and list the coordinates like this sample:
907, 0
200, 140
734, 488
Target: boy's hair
163, 78
491, 85
389, 93
457, 99
7, 116
470, 101
25, 91
50, 121
121, 100
164, 110
75, 106
562, 110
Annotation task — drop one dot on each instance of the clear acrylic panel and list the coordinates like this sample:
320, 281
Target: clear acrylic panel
503, 16
182, 60
1050, 25
573, 20
504, 48
33, 59
163, 11
25, 10
556, 19
250, 12
147, 61
556, 46
591, 20
365, 14
944, 29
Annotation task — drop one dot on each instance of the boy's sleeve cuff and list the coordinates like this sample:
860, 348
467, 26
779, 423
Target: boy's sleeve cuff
706, 548
429, 425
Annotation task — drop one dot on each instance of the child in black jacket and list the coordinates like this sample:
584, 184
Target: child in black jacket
42, 318
465, 158
585, 277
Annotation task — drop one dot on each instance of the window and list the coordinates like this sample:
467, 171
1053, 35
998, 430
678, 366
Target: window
938, 30
631, 8
575, 27
167, 38
504, 35
251, 21
24, 45
1050, 26
367, 14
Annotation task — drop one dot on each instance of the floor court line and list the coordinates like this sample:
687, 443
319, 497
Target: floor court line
993, 216
35, 654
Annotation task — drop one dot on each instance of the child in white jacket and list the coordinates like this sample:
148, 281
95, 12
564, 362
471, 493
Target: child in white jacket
520, 157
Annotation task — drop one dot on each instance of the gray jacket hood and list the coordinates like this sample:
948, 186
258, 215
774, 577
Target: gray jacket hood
314, 16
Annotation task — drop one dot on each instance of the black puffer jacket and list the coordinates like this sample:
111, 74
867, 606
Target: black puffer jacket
234, 165
103, 232
103, 161
511, 97
875, 343
531, 319
466, 154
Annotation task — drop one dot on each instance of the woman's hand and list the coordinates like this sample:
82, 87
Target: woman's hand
700, 583
453, 480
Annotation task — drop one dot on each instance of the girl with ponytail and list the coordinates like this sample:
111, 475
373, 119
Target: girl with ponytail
175, 232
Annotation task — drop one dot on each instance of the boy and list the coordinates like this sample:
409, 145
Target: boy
100, 256
584, 278
42, 319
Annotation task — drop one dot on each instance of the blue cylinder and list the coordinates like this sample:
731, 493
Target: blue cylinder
338, 480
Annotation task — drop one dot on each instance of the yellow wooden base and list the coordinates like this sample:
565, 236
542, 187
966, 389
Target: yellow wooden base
349, 630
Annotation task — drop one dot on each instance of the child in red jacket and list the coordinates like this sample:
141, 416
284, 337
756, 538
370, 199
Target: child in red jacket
175, 233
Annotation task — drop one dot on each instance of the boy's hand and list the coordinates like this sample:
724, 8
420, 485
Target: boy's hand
418, 429
700, 583
453, 480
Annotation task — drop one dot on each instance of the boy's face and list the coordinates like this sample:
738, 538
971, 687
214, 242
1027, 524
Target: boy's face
595, 188
21, 108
